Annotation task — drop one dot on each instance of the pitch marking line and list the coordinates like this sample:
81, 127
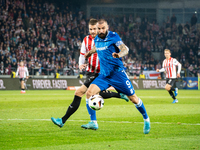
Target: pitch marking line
192, 124
73, 94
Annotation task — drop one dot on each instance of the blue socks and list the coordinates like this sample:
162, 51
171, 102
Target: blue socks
91, 112
140, 107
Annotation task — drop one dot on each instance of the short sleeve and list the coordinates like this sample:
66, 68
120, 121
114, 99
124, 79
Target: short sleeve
116, 39
163, 64
83, 48
175, 62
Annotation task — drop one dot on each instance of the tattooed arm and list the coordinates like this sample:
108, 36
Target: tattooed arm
124, 51
92, 51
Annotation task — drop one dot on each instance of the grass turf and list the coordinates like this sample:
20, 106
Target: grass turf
25, 122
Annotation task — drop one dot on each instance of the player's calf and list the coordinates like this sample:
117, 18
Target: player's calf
134, 99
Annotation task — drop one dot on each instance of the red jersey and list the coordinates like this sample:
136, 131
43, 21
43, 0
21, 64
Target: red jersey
169, 66
93, 61
22, 71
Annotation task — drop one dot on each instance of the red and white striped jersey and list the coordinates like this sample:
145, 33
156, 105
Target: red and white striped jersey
93, 61
22, 71
169, 66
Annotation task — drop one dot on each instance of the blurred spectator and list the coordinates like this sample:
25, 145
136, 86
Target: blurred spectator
195, 70
173, 19
180, 29
151, 67
191, 68
167, 22
138, 20
187, 26
146, 67
51, 34
142, 76
134, 77
14, 66
193, 20
159, 77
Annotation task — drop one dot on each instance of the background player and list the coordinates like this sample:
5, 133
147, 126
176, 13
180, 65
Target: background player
92, 70
22, 71
169, 66
110, 49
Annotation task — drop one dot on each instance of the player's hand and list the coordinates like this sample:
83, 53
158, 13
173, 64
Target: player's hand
87, 55
115, 55
83, 66
178, 75
157, 70
27, 77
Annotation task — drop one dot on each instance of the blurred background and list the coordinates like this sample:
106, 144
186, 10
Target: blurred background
47, 35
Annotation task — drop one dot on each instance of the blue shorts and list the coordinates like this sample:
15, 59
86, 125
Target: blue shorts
119, 80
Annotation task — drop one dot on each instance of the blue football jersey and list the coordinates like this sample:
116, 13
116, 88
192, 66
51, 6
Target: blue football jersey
105, 48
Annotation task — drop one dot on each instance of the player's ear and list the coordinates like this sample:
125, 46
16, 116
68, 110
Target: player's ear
108, 27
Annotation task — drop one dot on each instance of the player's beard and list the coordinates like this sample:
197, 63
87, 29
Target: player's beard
102, 35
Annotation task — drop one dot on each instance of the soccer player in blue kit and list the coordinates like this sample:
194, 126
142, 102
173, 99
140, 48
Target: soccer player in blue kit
110, 49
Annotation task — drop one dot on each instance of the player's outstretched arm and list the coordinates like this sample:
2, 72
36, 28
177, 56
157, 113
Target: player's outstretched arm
16, 75
92, 51
123, 51
179, 70
160, 70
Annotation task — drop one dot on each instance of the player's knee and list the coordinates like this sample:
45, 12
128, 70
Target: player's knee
89, 94
167, 88
79, 92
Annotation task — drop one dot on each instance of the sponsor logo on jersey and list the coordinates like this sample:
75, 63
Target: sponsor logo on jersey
102, 48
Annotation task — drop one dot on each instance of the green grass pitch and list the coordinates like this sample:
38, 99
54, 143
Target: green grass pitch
25, 122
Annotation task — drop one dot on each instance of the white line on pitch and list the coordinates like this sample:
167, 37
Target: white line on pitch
194, 124
190, 97
35, 94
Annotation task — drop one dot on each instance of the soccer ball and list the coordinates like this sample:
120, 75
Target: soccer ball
96, 102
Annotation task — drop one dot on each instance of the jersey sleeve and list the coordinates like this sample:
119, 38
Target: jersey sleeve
27, 74
117, 40
81, 60
163, 64
82, 53
17, 72
176, 63
83, 48
162, 69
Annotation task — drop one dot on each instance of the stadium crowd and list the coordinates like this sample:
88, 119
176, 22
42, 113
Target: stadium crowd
48, 37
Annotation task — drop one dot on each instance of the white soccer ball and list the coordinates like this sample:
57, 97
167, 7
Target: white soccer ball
96, 102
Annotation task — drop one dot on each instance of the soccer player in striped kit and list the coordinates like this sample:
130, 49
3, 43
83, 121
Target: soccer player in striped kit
92, 70
22, 71
169, 66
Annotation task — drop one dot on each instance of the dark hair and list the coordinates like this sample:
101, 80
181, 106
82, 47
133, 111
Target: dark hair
100, 21
93, 21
